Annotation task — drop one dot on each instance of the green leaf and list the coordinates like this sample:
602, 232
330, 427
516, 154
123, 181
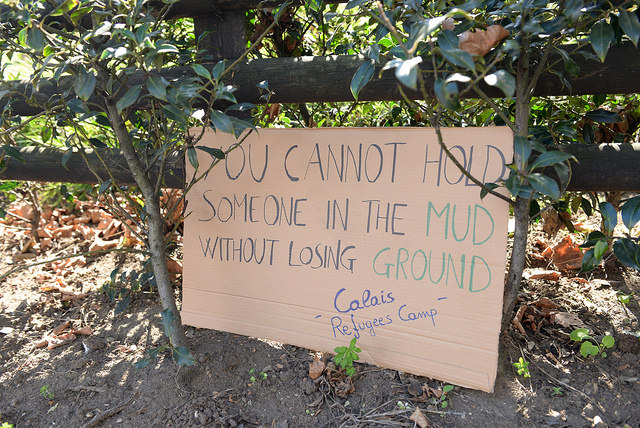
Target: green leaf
603, 116
192, 155
608, 341
84, 85
22, 36
589, 261
586, 207
183, 356
448, 42
13, 153
522, 150
447, 388
174, 113
601, 37
407, 72
627, 252
551, 158
79, 13
167, 322
573, 9
166, 48
217, 70
140, 364
593, 239
216, 153
484, 192
447, 93
116, 52
129, 98
502, 80
579, 334
104, 186
587, 348
201, 71
362, 77
630, 212
601, 247
122, 304
221, 121
64, 7
35, 39
157, 86
340, 350
46, 133
630, 24
609, 215
545, 185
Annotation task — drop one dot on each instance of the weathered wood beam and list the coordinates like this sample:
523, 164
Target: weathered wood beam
605, 167
327, 79
46, 164
195, 8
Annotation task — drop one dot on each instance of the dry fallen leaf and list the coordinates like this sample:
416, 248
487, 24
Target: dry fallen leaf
174, 266
567, 254
59, 329
419, 418
517, 319
481, 42
100, 245
63, 339
86, 331
449, 24
316, 368
550, 275
552, 223
569, 319
415, 388
545, 303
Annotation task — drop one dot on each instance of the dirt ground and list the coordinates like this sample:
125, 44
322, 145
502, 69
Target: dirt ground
247, 382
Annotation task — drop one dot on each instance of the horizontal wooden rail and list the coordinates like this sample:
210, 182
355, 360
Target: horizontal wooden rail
46, 164
327, 79
605, 167
198, 8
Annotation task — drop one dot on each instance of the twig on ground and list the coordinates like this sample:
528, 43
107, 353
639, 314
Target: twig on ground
566, 385
108, 413
86, 253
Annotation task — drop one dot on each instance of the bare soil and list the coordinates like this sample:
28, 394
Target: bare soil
248, 382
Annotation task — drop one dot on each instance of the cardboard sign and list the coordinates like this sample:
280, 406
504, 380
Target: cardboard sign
314, 236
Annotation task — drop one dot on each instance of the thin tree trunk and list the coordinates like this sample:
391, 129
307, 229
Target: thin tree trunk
155, 223
518, 252
521, 207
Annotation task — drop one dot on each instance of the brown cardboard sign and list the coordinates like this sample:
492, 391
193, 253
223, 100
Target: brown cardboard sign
314, 236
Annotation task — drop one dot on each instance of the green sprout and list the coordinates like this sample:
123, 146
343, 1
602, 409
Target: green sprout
345, 356
257, 376
523, 367
590, 346
45, 393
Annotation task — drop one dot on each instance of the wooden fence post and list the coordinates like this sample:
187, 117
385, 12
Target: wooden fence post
221, 36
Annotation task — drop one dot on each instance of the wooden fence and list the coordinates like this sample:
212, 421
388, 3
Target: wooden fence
327, 79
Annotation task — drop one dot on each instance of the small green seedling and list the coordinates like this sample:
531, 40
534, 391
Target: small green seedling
403, 405
523, 367
345, 356
257, 376
443, 401
557, 390
45, 393
590, 346
625, 299
6, 425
